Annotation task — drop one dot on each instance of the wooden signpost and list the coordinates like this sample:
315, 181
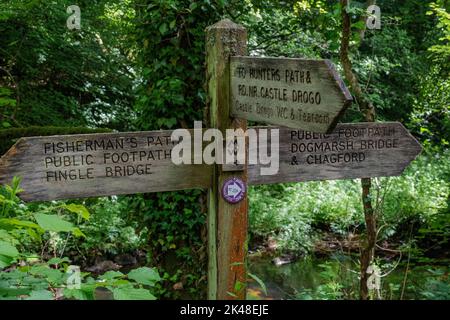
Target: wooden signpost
227, 222
87, 165
92, 165
262, 89
357, 150
296, 93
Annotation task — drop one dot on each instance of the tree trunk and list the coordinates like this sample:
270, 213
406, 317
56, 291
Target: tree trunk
366, 107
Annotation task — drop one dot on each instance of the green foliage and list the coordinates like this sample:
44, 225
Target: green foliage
171, 43
441, 52
110, 231
29, 277
437, 286
274, 29
145, 276
431, 114
53, 223
336, 277
60, 76
174, 233
173, 218
292, 212
16, 224
419, 195
163, 227
430, 118
8, 105
386, 58
47, 281
172, 55
130, 293
279, 212
331, 289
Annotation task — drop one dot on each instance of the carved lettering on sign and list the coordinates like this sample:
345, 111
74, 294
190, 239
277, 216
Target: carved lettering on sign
61, 167
351, 151
296, 93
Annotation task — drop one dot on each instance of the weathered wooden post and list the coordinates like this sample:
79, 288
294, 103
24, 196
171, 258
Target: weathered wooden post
227, 223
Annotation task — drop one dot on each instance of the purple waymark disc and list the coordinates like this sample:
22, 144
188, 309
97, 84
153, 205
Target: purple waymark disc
233, 190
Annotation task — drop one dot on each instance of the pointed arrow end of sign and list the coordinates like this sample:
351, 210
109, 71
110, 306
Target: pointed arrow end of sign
418, 146
415, 144
343, 88
412, 147
347, 96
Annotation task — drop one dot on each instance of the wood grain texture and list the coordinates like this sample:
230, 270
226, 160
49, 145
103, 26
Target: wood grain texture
227, 223
39, 164
296, 93
358, 150
379, 149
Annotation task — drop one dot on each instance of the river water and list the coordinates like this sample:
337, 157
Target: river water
336, 277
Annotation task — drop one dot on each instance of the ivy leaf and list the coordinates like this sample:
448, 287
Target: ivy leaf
52, 275
79, 209
75, 294
360, 25
54, 223
163, 28
5, 261
111, 275
17, 222
78, 233
7, 102
193, 6
40, 295
144, 275
58, 260
130, 293
172, 24
7, 249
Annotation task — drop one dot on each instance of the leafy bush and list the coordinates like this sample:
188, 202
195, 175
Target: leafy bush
279, 213
27, 275
173, 226
437, 286
80, 78
331, 287
431, 114
50, 281
418, 195
110, 230
291, 212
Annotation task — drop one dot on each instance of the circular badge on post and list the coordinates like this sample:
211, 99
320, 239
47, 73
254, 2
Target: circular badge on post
233, 190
